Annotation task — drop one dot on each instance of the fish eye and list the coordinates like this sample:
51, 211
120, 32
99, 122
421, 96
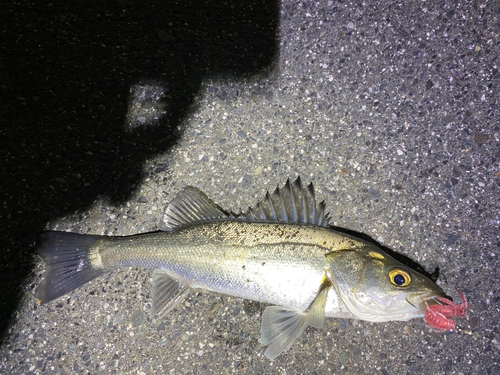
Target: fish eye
399, 277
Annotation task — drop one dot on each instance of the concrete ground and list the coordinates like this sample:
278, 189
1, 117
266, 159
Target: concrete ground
391, 109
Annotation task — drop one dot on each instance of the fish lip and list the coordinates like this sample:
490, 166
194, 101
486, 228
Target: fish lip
421, 301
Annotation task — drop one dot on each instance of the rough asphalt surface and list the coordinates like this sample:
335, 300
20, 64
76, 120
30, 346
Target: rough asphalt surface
109, 109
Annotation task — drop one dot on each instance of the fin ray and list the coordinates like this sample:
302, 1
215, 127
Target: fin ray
280, 328
69, 260
292, 207
316, 312
311, 203
191, 206
167, 293
290, 204
279, 196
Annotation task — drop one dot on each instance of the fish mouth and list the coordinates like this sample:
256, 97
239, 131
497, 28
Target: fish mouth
421, 301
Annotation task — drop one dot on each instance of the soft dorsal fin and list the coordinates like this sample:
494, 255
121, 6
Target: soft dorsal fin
289, 204
191, 206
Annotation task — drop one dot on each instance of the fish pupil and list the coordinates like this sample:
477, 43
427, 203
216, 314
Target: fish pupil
399, 280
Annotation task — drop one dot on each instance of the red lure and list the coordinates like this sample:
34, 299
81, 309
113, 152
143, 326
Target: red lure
441, 316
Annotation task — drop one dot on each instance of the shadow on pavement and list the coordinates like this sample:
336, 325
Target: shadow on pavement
68, 68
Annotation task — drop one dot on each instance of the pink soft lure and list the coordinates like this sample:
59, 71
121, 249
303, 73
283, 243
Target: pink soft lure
441, 316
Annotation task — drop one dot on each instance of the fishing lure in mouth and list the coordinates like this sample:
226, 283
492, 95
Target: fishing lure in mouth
440, 316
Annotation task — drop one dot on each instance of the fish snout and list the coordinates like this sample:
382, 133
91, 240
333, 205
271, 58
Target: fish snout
423, 300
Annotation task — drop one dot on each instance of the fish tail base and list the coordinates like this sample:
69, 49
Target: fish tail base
71, 262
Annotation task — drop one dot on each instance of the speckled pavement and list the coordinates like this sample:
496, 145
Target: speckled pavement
391, 109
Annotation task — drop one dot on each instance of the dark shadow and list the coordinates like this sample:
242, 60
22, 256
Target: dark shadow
67, 69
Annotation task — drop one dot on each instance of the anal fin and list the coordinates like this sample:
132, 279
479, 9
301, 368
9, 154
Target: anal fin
281, 326
167, 293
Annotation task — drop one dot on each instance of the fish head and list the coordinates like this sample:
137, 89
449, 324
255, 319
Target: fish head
378, 288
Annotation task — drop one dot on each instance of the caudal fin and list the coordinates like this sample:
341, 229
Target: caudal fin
69, 264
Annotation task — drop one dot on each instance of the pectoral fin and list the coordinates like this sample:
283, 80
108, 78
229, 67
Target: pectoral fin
316, 312
282, 326
167, 293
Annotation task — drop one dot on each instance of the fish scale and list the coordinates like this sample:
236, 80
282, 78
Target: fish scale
234, 258
280, 252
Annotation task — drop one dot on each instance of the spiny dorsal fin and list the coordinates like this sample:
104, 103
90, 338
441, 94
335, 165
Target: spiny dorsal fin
290, 204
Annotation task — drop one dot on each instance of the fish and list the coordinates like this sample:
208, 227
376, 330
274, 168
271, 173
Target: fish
282, 252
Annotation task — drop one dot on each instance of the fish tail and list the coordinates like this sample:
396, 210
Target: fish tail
71, 262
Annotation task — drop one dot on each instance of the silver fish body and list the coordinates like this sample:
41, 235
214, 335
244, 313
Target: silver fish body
281, 252
281, 264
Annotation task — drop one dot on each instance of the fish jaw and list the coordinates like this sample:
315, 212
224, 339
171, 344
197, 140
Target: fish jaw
398, 307
422, 301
